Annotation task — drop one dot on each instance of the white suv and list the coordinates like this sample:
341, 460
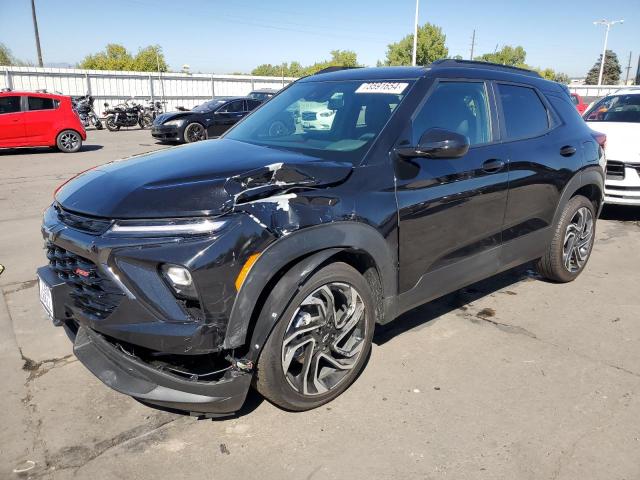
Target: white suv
618, 116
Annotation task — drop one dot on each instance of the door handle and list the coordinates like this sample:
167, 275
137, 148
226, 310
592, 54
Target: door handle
567, 151
492, 166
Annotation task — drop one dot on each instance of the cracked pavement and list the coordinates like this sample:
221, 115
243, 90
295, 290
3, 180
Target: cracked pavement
509, 378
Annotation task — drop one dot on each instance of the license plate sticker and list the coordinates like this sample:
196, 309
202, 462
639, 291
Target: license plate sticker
45, 297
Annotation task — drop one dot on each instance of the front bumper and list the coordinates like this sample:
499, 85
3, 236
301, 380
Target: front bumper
166, 133
129, 375
622, 185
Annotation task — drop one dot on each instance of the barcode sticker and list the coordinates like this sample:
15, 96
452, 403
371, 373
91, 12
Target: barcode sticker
382, 87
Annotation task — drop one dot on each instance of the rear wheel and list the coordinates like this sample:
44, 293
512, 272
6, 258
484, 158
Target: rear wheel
69, 141
321, 342
145, 121
570, 248
194, 132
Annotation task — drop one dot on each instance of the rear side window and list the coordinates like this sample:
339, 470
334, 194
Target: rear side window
461, 107
525, 115
38, 103
9, 105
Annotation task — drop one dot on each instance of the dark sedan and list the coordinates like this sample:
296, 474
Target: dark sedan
210, 119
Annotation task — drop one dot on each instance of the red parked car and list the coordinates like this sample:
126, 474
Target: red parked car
29, 119
579, 103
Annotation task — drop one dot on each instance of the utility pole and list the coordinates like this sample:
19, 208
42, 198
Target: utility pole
626, 80
160, 75
473, 43
35, 28
415, 36
608, 24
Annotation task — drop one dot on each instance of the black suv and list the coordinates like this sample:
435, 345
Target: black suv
270, 254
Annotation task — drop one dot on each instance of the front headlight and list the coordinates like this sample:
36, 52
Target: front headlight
166, 227
175, 123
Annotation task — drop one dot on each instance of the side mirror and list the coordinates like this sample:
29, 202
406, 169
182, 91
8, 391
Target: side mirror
437, 143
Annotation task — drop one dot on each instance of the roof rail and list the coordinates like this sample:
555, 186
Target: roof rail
452, 62
334, 68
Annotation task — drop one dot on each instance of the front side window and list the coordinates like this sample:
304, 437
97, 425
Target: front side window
233, 107
208, 106
616, 108
335, 120
39, 103
461, 107
525, 115
9, 104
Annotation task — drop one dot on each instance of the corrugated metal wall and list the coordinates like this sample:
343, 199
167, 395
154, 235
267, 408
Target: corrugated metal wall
115, 87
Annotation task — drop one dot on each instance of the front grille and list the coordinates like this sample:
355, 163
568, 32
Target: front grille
96, 226
96, 295
615, 170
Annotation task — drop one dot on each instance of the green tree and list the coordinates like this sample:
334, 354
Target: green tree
7, 58
117, 57
611, 73
342, 58
508, 55
148, 58
431, 46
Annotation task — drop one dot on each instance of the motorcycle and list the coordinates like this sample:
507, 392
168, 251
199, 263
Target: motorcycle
84, 107
153, 109
126, 114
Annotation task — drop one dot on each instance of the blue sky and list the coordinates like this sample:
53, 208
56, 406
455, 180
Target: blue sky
235, 35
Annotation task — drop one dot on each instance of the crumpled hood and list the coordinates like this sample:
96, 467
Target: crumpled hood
204, 178
165, 117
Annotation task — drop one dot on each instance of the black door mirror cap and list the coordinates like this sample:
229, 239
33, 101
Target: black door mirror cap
437, 143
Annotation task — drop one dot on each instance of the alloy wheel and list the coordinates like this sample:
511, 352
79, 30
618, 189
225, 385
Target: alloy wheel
194, 133
69, 141
578, 239
324, 339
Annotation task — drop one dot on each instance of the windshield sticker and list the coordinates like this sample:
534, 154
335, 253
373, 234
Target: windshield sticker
382, 87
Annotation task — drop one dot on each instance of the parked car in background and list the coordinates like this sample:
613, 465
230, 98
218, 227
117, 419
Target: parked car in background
29, 119
618, 116
268, 256
210, 119
263, 94
579, 103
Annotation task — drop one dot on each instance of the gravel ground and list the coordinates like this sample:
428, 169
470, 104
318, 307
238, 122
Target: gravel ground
511, 378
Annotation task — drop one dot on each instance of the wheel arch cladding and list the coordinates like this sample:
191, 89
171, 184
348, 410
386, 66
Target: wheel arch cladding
589, 183
357, 244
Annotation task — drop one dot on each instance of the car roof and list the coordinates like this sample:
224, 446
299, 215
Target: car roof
447, 68
33, 94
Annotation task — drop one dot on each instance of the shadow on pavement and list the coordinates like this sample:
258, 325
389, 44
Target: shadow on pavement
622, 213
41, 150
431, 311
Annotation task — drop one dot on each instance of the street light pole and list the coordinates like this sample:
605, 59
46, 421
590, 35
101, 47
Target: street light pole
415, 36
608, 24
35, 28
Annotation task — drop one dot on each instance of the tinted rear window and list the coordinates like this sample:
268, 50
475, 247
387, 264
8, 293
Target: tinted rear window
524, 113
38, 103
9, 104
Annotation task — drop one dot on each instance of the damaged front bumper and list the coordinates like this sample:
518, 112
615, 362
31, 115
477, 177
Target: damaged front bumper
130, 375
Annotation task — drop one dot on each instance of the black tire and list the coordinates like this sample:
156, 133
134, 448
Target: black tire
97, 123
110, 122
271, 379
555, 265
69, 141
194, 132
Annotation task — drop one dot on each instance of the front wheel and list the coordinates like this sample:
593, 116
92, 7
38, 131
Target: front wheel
570, 248
69, 141
111, 124
194, 132
96, 122
321, 342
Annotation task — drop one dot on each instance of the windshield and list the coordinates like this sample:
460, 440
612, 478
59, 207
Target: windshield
616, 108
208, 106
337, 120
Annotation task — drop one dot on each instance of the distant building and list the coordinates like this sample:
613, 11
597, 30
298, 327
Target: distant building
577, 81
